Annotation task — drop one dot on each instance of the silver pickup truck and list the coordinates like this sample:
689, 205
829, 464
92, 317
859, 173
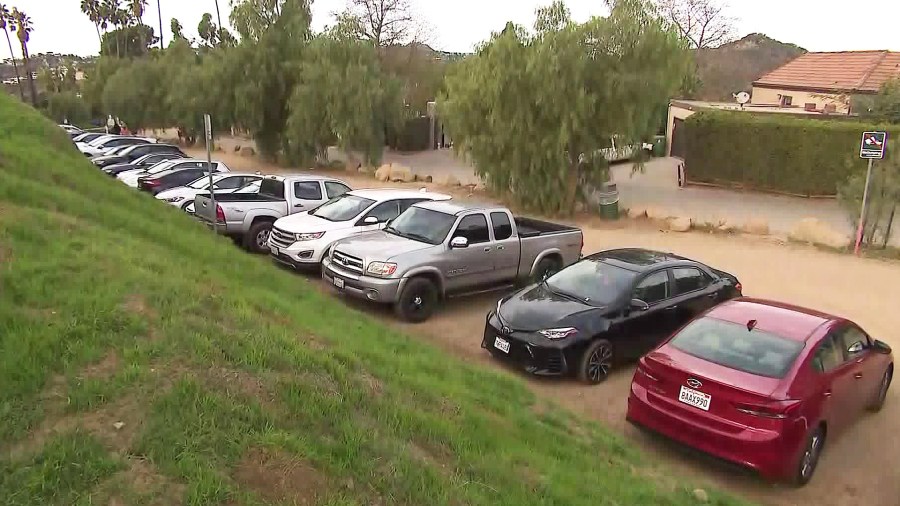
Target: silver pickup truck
248, 217
435, 250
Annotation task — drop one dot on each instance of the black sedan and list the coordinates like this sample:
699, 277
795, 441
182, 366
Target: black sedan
129, 154
141, 163
170, 179
609, 307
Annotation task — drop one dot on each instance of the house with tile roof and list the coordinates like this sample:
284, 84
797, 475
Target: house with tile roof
826, 82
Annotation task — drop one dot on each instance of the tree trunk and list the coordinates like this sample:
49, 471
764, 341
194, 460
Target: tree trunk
31, 86
15, 66
159, 11
99, 37
887, 231
218, 14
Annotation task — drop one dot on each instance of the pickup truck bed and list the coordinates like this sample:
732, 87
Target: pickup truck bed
529, 227
242, 197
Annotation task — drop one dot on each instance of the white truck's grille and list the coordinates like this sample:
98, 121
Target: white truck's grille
348, 262
280, 238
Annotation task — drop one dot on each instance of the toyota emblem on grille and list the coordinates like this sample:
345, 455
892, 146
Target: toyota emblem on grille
694, 383
506, 330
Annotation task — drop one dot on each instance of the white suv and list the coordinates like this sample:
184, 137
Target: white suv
301, 240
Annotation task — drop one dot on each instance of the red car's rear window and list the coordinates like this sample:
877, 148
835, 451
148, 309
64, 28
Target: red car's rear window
732, 345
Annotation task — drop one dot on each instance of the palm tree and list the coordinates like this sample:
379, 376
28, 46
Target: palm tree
92, 9
23, 28
136, 9
5, 20
112, 16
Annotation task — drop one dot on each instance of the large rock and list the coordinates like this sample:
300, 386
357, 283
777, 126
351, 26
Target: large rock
637, 212
247, 151
757, 226
680, 224
383, 173
655, 213
401, 174
813, 231
451, 180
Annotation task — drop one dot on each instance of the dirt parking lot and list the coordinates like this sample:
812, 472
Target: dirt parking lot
858, 467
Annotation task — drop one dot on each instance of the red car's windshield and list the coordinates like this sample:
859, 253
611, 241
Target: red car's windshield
732, 345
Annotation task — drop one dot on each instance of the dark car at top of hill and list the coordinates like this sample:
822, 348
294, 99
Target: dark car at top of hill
761, 384
143, 162
607, 308
131, 153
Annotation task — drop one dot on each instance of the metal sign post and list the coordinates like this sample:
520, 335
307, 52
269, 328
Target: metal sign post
207, 124
873, 147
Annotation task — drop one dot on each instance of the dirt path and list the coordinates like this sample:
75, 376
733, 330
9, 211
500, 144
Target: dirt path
857, 467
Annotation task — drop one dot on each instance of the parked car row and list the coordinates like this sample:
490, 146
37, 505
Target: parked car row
758, 383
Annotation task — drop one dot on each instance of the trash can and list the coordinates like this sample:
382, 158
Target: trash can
659, 146
608, 197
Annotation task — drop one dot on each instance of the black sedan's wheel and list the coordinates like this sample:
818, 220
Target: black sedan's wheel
596, 362
417, 301
809, 459
883, 387
545, 268
257, 237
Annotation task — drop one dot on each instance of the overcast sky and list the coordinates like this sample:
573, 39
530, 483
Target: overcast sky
458, 25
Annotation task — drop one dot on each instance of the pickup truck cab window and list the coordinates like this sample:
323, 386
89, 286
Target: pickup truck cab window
502, 226
272, 188
308, 190
474, 228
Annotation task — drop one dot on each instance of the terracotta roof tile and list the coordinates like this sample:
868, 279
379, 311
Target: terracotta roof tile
860, 71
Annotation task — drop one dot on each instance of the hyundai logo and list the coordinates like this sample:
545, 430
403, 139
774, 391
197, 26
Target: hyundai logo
506, 330
694, 383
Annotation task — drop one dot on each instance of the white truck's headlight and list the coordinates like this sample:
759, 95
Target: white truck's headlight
381, 269
312, 236
558, 333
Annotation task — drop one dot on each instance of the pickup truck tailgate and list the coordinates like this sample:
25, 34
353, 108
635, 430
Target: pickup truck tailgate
203, 208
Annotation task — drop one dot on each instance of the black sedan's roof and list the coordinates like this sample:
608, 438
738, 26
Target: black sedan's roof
640, 260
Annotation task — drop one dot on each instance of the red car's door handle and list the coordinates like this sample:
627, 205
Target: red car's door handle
858, 375
828, 393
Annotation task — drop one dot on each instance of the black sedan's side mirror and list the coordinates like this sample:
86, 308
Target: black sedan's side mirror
639, 305
882, 347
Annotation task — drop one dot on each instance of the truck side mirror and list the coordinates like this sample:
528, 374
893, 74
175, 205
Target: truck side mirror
459, 243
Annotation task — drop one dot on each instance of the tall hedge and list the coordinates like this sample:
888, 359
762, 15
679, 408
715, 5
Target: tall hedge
774, 152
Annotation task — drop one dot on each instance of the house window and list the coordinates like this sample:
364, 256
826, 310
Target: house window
787, 101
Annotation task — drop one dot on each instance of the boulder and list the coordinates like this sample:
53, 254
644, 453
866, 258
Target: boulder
813, 231
756, 226
451, 180
700, 495
247, 151
401, 174
655, 213
637, 212
383, 173
680, 224
237, 148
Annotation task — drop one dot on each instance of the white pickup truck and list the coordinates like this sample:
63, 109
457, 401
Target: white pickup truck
301, 240
248, 218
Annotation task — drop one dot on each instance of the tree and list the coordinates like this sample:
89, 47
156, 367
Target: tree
136, 9
94, 12
382, 22
177, 30
704, 23
159, 14
534, 111
884, 199
68, 106
6, 21
885, 106
23, 26
128, 41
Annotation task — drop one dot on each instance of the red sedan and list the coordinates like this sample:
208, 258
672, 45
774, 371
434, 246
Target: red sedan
761, 384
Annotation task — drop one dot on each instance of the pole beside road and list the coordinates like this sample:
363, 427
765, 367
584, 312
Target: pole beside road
207, 130
872, 147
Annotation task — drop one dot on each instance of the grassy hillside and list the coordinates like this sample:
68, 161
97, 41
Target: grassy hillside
144, 361
733, 67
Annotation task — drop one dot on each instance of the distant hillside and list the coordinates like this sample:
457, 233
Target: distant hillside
734, 66
51, 60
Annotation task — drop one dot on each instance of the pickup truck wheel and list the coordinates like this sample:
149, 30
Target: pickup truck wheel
545, 268
257, 237
417, 301
596, 362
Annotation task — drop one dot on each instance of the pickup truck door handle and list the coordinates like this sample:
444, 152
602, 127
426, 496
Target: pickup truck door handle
500, 247
298, 205
487, 248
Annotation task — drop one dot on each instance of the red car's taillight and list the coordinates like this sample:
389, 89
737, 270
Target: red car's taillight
220, 214
771, 409
151, 182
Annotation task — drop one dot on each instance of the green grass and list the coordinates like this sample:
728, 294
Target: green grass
211, 354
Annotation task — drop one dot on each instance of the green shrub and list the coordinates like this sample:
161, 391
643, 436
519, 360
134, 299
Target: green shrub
774, 152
